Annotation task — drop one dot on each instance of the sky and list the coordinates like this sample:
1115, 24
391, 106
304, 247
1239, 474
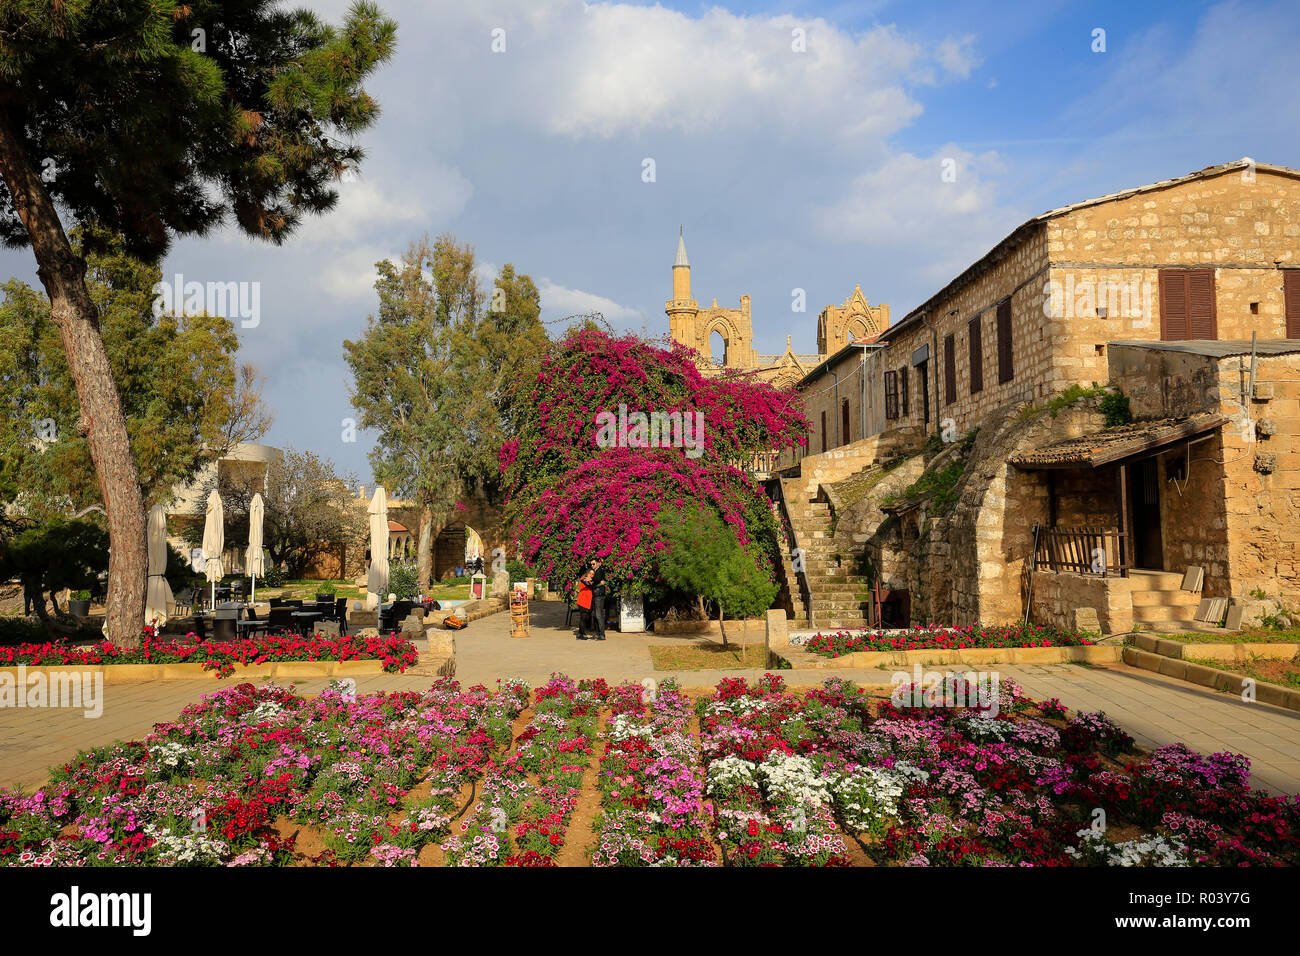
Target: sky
799, 145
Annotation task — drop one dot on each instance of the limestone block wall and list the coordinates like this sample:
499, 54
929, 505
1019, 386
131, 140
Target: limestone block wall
1056, 595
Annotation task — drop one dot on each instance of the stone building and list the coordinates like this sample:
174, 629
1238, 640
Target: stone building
1156, 291
696, 327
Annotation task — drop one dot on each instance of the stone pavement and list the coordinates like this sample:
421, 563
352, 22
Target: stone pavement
1155, 709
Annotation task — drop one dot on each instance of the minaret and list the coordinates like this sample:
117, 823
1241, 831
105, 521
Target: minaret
681, 308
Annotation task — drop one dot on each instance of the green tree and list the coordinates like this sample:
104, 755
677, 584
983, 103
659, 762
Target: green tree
53, 556
186, 400
704, 560
165, 118
430, 375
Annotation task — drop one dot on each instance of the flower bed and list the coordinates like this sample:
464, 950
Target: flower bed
228, 781
396, 653
527, 799
653, 811
840, 643
260, 776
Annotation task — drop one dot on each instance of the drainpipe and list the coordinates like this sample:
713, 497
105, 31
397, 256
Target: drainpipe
934, 361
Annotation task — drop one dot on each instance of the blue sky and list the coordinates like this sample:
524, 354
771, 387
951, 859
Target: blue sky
817, 170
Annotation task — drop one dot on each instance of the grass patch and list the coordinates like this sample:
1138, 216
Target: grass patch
703, 657
1255, 636
1282, 673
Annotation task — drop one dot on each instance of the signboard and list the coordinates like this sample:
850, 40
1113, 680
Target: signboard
631, 615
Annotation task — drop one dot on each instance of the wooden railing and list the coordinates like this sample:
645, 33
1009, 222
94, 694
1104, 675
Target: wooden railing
1085, 550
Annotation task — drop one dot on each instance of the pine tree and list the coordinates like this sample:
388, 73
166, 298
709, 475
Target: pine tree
159, 119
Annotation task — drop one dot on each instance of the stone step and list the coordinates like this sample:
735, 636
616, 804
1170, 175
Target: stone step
1156, 580
1161, 612
1177, 598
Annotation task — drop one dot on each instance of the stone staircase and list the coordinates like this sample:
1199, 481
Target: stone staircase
839, 598
1160, 602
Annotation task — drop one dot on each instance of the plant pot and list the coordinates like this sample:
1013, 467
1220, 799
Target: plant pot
79, 608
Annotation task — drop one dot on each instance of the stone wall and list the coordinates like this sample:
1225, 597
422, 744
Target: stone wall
1057, 595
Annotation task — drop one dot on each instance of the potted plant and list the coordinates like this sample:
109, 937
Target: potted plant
79, 604
326, 591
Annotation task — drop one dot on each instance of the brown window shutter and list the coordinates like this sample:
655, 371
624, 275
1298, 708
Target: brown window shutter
902, 381
823, 431
1173, 304
1291, 289
891, 395
976, 335
1006, 371
950, 369
1201, 314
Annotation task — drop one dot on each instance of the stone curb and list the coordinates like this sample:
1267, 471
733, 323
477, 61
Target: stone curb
1210, 677
134, 673
1089, 654
1219, 652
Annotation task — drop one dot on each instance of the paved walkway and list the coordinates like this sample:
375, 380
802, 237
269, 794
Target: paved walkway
1156, 710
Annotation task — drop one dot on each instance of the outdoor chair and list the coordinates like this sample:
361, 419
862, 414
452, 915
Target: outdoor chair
276, 602
392, 619
224, 624
279, 620
340, 613
251, 626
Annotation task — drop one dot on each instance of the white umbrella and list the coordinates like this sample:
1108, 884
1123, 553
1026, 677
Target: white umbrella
214, 541
159, 601
377, 579
255, 563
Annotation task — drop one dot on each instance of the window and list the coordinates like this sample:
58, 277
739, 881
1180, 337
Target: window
922, 372
1006, 372
844, 416
1291, 287
976, 335
823, 430
891, 395
902, 380
950, 369
1187, 306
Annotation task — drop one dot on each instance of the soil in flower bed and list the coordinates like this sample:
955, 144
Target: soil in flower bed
579, 772
839, 643
701, 657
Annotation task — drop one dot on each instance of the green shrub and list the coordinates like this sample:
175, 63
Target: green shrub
82, 595
1115, 407
519, 571
703, 558
403, 580
274, 577
327, 587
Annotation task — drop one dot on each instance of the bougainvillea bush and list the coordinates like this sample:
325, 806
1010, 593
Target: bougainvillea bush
838, 643
568, 498
395, 652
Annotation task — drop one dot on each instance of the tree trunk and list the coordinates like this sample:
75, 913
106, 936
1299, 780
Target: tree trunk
722, 627
425, 549
102, 421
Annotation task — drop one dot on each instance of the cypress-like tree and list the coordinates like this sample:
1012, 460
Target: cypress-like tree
158, 119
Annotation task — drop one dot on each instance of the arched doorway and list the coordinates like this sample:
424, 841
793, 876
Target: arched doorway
455, 547
718, 347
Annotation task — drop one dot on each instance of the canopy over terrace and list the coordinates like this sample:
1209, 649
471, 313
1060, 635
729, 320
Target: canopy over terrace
1104, 492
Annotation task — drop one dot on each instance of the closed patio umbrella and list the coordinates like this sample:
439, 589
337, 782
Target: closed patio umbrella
214, 541
159, 601
377, 579
256, 561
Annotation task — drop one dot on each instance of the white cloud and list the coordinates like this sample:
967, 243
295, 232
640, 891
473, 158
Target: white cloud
561, 301
957, 55
603, 70
350, 276
363, 205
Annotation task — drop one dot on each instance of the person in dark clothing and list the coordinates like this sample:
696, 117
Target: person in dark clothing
598, 591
